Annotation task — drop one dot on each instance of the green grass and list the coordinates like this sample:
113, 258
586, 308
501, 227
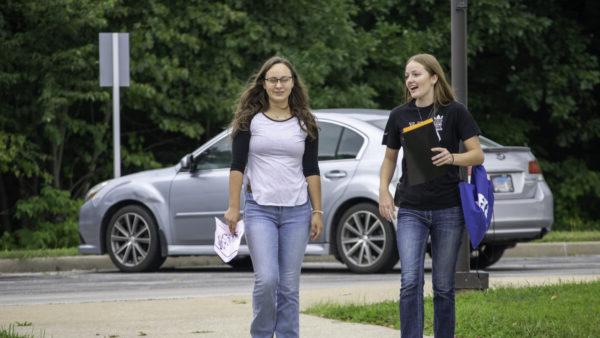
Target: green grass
10, 333
564, 310
39, 253
571, 236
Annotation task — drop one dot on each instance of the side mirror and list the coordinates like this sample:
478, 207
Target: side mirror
186, 162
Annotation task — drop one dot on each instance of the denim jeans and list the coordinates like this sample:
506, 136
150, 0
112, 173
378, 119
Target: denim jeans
445, 226
277, 239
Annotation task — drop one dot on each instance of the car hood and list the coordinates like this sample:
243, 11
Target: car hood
147, 176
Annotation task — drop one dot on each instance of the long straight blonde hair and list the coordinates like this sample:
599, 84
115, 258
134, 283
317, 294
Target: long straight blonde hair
442, 91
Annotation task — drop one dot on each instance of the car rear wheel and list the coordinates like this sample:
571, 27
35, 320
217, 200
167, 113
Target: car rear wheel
366, 241
132, 240
486, 255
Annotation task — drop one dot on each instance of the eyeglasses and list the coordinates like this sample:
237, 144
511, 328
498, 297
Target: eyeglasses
273, 80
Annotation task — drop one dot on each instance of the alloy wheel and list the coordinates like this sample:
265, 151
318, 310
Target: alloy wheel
130, 239
363, 238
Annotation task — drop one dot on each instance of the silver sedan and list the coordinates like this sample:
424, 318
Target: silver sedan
142, 218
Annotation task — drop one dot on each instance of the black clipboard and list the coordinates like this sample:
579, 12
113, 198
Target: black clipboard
418, 141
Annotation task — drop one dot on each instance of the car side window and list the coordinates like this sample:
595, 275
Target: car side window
350, 144
329, 138
217, 156
337, 142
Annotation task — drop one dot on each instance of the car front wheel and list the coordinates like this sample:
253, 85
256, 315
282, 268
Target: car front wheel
132, 240
366, 241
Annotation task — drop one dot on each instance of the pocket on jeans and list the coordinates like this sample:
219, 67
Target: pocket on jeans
249, 198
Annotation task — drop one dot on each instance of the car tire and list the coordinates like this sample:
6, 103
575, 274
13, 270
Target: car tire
486, 255
366, 242
132, 240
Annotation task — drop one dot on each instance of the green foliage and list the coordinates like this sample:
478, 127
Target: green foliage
50, 220
534, 80
575, 187
562, 310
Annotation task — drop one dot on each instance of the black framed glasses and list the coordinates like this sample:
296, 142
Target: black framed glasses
284, 80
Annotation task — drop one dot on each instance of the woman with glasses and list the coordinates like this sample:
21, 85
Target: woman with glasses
429, 209
275, 143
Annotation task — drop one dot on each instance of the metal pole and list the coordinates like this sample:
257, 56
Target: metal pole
116, 104
464, 278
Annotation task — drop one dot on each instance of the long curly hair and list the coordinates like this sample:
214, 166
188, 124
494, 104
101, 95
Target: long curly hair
254, 99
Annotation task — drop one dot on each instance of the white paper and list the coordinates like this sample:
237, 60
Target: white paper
226, 243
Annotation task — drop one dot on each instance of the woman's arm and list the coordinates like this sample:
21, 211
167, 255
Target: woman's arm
314, 193
232, 215
472, 156
388, 166
239, 153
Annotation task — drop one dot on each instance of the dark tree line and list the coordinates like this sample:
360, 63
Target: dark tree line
533, 80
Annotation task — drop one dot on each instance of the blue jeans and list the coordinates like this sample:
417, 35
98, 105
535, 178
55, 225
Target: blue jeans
277, 239
445, 226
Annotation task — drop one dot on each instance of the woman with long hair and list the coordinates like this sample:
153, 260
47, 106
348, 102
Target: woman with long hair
275, 144
430, 209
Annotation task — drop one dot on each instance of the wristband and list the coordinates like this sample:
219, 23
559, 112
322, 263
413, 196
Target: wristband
317, 211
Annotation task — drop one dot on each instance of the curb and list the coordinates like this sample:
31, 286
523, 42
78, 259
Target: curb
103, 262
558, 249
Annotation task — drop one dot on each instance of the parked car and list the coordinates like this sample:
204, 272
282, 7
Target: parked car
142, 218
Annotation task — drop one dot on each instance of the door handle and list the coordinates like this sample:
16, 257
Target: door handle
335, 174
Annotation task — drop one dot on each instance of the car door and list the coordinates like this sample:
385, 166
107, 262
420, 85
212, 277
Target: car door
339, 149
201, 194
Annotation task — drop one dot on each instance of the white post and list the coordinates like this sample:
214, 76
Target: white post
116, 104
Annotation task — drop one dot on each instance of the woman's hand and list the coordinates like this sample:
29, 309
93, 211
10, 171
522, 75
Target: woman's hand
316, 225
386, 205
443, 157
232, 217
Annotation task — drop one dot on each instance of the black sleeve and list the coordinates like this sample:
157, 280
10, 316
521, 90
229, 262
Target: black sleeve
239, 150
310, 159
466, 127
391, 134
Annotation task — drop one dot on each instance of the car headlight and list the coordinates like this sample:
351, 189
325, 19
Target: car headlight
95, 189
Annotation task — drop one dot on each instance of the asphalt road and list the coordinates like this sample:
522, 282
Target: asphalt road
110, 285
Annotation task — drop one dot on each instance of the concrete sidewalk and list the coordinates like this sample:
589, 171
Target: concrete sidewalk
228, 315
211, 316
103, 262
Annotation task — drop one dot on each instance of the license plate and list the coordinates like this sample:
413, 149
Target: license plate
502, 183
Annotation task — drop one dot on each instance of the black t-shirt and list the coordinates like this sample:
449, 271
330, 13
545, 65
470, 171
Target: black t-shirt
453, 123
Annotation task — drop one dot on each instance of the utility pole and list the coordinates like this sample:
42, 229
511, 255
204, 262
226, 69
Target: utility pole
464, 278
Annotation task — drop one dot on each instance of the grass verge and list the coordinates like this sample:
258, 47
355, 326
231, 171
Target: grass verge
10, 332
563, 310
39, 253
571, 236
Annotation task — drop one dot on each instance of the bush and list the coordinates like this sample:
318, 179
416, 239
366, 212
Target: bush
49, 221
576, 188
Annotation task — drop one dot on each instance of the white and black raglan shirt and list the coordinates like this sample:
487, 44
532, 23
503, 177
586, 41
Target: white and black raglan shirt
453, 123
276, 157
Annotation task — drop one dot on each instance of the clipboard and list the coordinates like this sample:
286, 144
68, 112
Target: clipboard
418, 141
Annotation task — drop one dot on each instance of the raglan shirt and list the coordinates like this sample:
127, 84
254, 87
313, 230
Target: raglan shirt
276, 157
453, 123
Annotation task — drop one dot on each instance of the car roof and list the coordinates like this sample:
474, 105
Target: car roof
363, 114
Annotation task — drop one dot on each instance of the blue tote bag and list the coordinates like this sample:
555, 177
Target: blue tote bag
477, 199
